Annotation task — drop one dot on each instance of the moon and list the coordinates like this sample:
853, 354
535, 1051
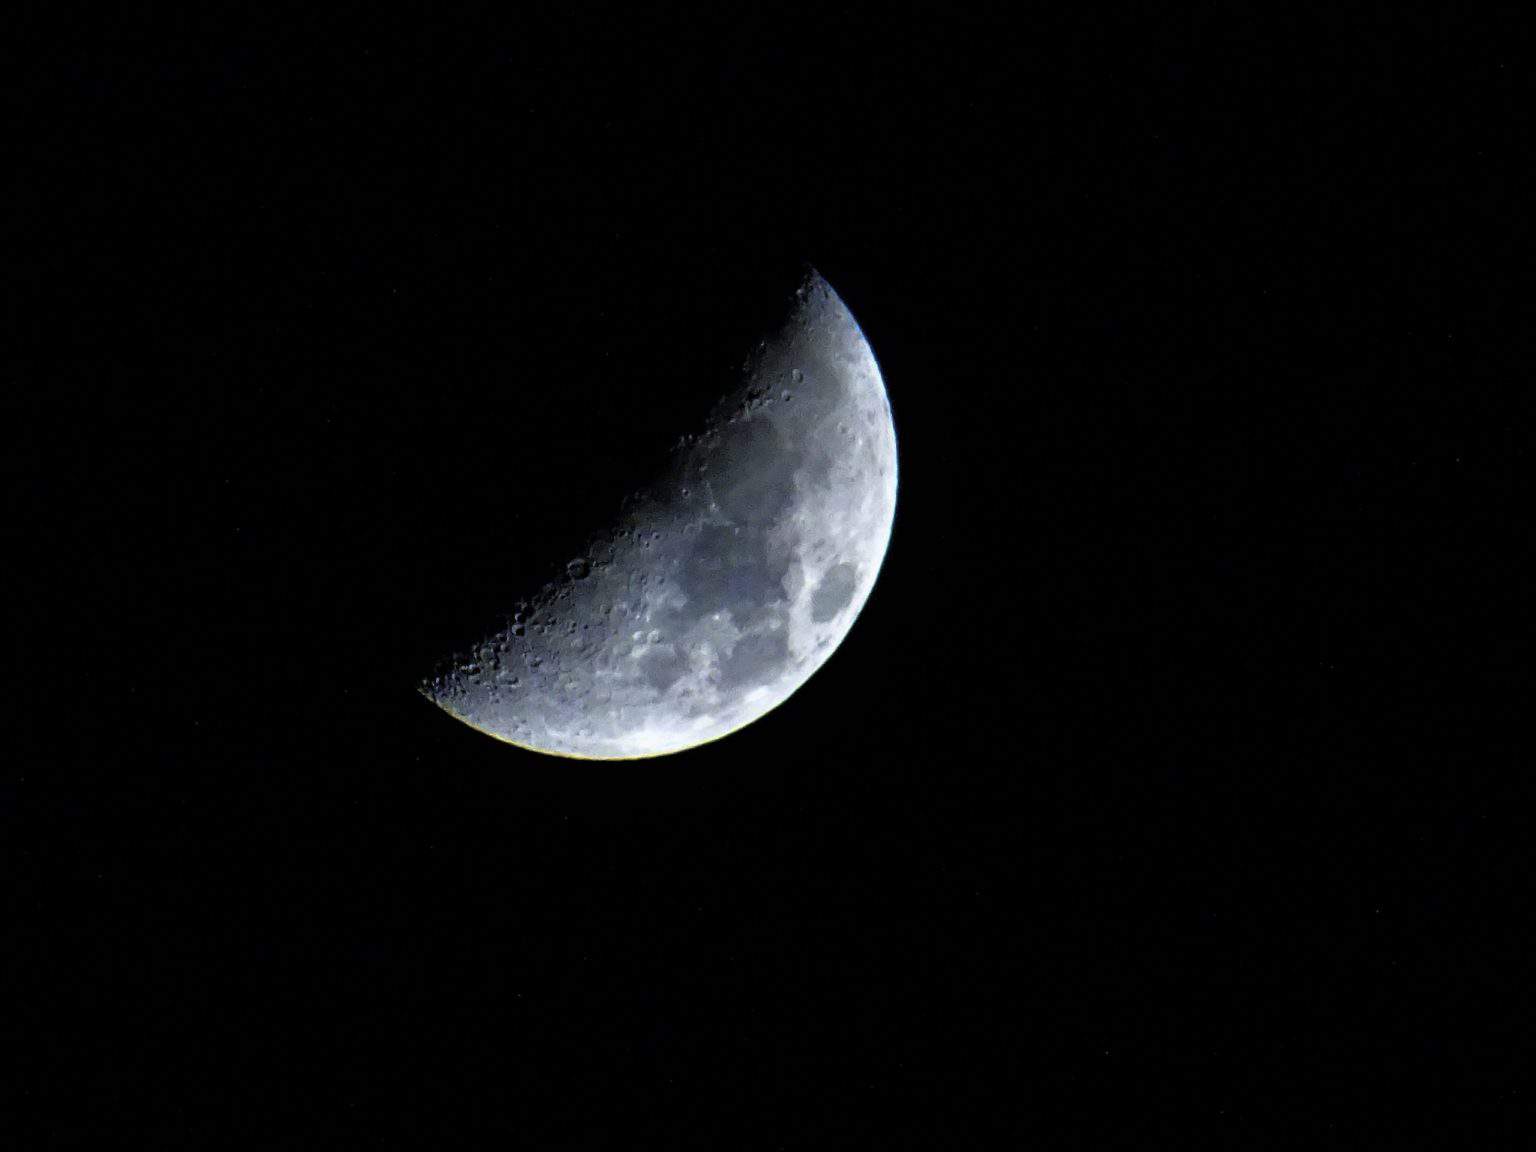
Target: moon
718, 591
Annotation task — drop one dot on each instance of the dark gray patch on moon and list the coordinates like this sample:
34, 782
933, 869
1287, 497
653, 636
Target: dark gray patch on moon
834, 592
756, 659
663, 666
730, 571
760, 487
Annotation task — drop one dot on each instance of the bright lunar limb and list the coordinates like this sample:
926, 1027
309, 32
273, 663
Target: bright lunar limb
720, 590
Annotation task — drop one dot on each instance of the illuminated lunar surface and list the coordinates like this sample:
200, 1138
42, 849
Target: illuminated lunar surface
720, 590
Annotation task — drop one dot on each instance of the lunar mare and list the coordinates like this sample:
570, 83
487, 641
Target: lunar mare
722, 588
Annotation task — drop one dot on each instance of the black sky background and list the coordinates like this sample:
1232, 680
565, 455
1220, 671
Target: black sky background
1161, 787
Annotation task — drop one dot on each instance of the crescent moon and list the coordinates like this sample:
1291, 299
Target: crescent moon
720, 590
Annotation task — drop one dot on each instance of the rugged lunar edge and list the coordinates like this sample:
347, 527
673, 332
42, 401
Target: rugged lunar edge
720, 590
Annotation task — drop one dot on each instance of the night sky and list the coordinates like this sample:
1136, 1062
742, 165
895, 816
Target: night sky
1162, 790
